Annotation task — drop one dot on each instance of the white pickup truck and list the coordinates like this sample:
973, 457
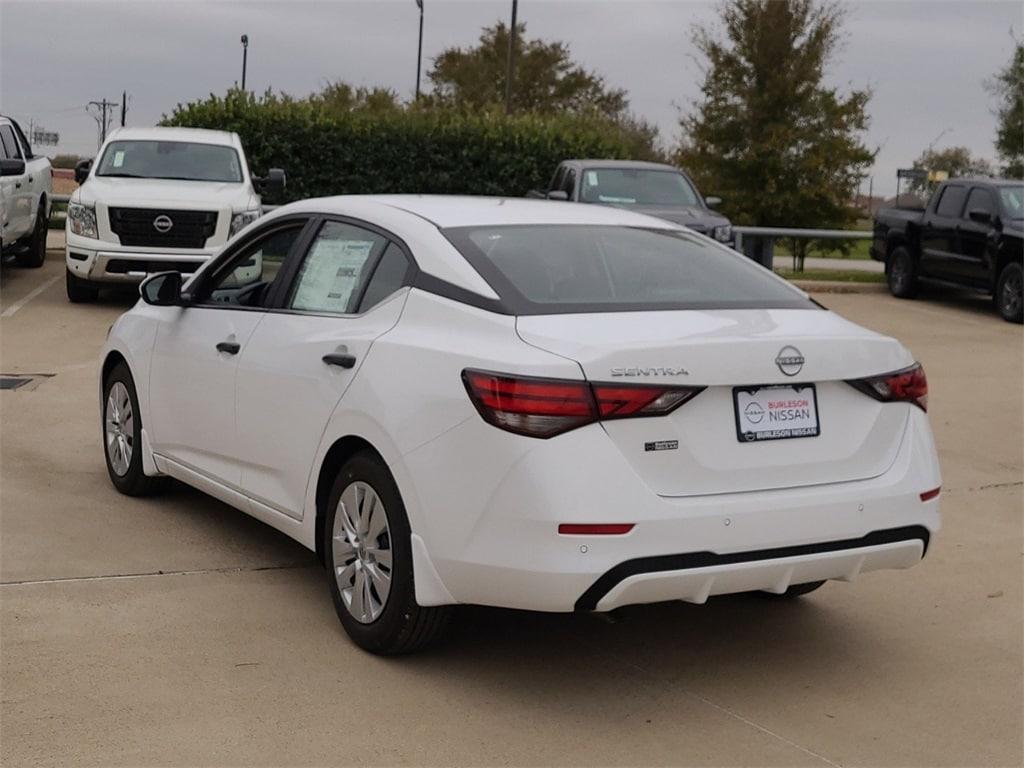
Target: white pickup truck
158, 199
25, 192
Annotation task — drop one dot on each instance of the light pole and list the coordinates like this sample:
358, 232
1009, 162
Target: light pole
245, 56
419, 51
510, 62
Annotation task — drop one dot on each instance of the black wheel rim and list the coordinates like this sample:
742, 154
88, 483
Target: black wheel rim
1012, 295
898, 273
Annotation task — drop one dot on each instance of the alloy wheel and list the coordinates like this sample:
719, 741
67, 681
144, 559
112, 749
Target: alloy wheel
361, 541
119, 428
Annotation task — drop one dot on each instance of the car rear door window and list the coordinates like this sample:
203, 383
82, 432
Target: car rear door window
336, 269
952, 202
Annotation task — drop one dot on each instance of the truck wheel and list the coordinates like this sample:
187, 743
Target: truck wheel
1009, 294
35, 255
80, 291
901, 273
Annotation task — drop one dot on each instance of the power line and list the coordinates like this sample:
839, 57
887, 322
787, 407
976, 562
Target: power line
102, 116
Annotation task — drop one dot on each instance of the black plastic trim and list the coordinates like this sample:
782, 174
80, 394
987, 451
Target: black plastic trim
588, 600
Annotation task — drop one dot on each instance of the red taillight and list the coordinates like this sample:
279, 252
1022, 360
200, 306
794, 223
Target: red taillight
907, 385
548, 407
594, 529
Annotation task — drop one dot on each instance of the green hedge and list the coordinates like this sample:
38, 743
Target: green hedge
400, 150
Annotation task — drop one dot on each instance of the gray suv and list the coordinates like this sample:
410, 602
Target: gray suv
652, 188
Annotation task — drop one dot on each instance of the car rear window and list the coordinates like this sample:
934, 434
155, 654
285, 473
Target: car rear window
552, 269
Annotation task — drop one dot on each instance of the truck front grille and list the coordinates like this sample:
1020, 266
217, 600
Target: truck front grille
140, 227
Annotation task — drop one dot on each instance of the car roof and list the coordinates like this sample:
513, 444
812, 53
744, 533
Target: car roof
995, 182
165, 133
632, 165
445, 211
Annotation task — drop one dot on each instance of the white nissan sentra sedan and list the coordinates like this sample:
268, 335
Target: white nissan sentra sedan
516, 403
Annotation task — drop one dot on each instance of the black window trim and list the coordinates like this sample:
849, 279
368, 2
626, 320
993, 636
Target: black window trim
512, 302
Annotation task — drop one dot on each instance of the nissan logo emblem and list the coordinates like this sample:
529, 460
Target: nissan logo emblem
163, 224
790, 361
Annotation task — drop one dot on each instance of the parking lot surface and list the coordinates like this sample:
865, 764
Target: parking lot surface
177, 631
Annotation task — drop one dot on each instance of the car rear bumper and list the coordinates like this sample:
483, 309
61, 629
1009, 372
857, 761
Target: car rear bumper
503, 548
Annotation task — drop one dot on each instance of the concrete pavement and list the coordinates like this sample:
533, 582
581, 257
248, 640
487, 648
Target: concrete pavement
177, 631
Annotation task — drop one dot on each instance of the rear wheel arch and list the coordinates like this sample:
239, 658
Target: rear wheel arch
340, 451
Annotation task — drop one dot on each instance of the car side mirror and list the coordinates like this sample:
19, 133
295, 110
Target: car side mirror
712, 201
558, 194
979, 215
12, 167
272, 185
163, 290
82, 168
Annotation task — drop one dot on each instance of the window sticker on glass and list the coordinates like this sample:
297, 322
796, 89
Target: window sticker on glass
591, 178
118, 159
330, 275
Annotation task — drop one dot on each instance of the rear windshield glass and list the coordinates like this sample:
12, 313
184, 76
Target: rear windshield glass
181, 160
547, 269
628, 186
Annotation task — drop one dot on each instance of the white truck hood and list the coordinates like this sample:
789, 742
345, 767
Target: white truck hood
157, 193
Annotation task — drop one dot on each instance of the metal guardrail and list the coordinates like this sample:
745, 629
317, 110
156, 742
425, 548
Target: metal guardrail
758, 243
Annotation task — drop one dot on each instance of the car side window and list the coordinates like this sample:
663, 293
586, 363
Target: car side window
556, 180
569, 183
337, 266
247, 279
389, 275
980, 200
952, 202
10, 142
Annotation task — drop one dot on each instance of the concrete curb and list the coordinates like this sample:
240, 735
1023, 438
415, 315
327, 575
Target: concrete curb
836, 286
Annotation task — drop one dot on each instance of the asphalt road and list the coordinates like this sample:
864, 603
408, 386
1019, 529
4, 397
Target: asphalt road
177, 631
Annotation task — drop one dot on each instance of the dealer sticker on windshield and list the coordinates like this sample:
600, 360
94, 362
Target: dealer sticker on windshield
776, 412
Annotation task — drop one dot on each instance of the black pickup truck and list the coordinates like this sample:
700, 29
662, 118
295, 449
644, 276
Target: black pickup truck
969, 235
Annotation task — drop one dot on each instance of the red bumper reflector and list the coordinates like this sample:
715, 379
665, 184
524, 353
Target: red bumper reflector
929, 495
595, 529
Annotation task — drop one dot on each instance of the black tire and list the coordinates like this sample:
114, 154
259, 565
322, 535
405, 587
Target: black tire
1008, 296
901, 273
35, 254
132, 481
796, 590
80, 291
402, 625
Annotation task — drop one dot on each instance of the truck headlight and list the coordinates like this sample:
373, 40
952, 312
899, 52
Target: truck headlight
723, 234
241, 220
82, 220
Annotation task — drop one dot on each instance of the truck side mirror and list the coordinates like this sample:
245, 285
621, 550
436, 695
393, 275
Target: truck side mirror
712, 201
162, 289
12, 167
82, 168
558, 194
980, 215
272, 185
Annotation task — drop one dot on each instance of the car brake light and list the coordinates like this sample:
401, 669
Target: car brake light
544, 408
907, 385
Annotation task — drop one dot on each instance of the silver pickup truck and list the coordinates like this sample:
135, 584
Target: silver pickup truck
652, 188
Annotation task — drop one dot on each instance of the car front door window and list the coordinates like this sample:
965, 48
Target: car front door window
246, 280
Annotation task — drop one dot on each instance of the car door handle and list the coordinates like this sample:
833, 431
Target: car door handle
340, 359
230, 347
17, 185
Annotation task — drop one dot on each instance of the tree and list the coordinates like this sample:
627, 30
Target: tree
546, 81
955, 161
767, 134
339, 98
1008, 87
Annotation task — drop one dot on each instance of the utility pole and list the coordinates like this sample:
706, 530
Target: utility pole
245, 56
510, 63
419, 51
102, 119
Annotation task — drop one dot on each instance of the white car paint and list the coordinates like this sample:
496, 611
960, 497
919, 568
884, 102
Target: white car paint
88, 257
22, 195
485, 505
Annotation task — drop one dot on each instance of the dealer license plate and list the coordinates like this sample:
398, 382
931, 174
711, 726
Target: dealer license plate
776, 412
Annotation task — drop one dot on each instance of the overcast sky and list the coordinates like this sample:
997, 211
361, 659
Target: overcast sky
925, 61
